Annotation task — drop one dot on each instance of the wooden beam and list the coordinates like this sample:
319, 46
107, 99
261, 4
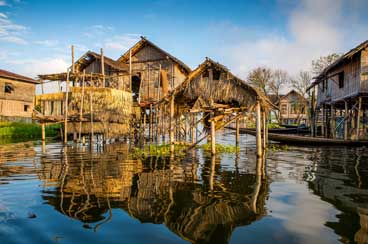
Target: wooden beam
130, 69
91, 112
333, 121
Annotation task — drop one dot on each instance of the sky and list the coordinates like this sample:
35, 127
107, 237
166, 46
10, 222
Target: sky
35, 35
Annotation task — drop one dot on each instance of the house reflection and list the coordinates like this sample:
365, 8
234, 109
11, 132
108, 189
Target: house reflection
340, 177
199, 202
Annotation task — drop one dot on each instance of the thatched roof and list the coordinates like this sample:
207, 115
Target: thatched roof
9, 75
90, 56
224, 89
143, 43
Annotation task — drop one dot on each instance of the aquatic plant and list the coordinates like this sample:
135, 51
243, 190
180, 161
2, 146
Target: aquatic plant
278, 147
220, 148
157, 151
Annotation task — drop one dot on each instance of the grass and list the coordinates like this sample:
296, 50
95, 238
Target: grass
19, 131
270, 125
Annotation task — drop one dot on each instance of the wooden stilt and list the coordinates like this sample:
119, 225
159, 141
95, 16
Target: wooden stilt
144, 124
172, 123
258, 130
237, 133
346, 121
81, 107
264, 130
213, 136
192, 129
103, 67
66, 109
323, 121
333, 121
91, 111
43, 131
359, 115
151, 124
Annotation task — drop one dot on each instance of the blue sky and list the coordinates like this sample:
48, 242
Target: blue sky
35, 36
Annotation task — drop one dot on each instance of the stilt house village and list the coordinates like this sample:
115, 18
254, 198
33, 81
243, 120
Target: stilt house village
149, 94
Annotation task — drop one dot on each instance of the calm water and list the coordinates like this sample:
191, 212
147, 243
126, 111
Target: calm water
70, 195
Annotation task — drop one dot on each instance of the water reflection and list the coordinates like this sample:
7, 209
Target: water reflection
301, 195
200, 203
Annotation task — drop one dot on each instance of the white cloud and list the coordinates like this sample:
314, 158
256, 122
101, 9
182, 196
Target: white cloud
11, 32
314, 28
121, 42
34, 67
3, 3
47, 43
3, 16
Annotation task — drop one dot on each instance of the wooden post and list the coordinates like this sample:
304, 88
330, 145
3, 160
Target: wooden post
43, 131
91, 111
359, 115
81, 107
213, 136
157, 116
264, 129
333, 121
193, 129
73, 66
66, 109
151, 124
258, 130
103, 67
346, 121
323, 121
172, 122
237, 133
144, 125
130, 69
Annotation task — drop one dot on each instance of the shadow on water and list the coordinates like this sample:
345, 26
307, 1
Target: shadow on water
202, 199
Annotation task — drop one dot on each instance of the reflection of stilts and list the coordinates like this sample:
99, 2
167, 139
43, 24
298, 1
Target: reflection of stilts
259, 173
362, 235
65, 163
212, 172
356, 168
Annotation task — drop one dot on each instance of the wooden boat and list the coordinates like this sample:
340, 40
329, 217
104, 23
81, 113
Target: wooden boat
306, 140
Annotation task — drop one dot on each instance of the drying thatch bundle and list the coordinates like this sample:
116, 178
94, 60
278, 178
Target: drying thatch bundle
108, 104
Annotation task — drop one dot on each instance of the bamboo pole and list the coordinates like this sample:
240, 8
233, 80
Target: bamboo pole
237, 133
193, 128
358, 117
323, 121
333, 121
91, 112
264, 129
103, 67
130, 69
73, 65
213, 137
144, 125
346, 121
172, 123
66, 109
151, 124
81, 107
258, 130
43, 132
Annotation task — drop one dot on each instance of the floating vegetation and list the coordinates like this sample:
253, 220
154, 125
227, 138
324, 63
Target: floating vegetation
157, 151
220, 148
278, 147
